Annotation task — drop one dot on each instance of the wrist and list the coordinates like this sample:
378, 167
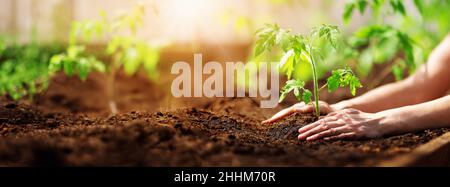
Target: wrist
342, 105
387, 123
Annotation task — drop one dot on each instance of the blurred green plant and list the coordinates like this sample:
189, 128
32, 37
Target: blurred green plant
299, 49
431, 27
123, 48
381, 42
73, 61
380, 8
24, 68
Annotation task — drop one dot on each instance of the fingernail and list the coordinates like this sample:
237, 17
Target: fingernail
300, 130
301, 137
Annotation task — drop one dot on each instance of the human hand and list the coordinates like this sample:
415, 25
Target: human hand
300, 108
343, 124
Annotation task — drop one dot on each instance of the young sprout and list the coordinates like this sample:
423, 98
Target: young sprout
298, 48
124, 50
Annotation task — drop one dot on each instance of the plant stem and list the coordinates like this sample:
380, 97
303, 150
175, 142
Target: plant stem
323, 87
110, 87
316, 86
314, 71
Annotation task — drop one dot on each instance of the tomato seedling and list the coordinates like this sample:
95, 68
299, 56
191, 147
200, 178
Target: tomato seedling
299, 48
124, 50
73, 61
23, 68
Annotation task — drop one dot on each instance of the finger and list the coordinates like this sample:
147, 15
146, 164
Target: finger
318, 122
332, 114
351, 111
310, 126
283, 113
318, 129
328, 133
324, 117
325, 107
305, 109
348, 135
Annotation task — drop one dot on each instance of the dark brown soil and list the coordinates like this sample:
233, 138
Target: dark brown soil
71, 95
69, 125
185, 137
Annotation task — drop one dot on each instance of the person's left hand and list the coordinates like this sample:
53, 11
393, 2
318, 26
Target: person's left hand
343, 124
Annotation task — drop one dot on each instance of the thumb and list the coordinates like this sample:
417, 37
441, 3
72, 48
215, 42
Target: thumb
305, 109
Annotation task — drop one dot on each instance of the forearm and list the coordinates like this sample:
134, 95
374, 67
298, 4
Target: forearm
429, 115
431, 81
385, 97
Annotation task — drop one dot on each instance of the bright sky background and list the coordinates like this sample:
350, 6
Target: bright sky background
180, 21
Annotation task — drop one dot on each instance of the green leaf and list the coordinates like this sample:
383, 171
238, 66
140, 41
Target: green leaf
282, 96
365, 62
329, 32
362, 4
2, 47
283, 39
83, 68
397, 6
74, 51
266, 37
384, 49
131, 61
56, 63
259, 48
333, 38
354, 84
323, 31
99, 29
307, 96
292, 85
398, 72
406, 44
298, 44
370, 31
97, 65
150, 63
112, 46
341, 78
73, 61
348, 12
305, 57
286, 64
333, 81
297, 94
420, 6
286, 89
68, 67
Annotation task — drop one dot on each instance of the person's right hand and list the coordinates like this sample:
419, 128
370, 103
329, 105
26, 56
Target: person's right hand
301, 108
